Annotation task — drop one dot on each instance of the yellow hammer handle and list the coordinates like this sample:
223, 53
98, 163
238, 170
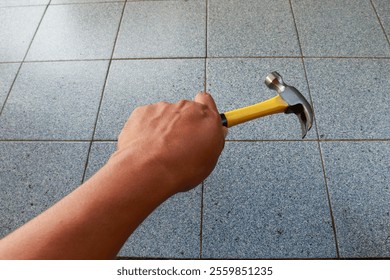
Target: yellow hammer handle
271, 106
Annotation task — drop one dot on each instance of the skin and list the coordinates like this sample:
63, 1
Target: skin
163, 149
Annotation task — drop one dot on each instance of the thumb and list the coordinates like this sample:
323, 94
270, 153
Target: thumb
206, 99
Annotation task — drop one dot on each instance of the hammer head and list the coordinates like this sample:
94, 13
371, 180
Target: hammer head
296, 101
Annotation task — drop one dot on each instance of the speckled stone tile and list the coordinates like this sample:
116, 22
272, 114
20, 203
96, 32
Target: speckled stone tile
18, 25
236, 83
81, 1
34, 175
171, 231
83, 31
163, 29
54, 100
383, 9
134, 83
7, 73
351, 97
358, 178
12, 3
251, 28
267, 200
339, 28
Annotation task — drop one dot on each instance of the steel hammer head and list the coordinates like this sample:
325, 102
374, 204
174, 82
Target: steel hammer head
297, 103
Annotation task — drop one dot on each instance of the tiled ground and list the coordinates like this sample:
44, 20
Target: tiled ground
71, 71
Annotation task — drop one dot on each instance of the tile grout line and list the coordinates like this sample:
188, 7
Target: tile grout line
24, 58
102, 94
205, 89
380, 22
329, 201
318, 137
208, 57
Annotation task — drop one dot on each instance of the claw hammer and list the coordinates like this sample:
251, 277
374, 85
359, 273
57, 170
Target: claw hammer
288, 100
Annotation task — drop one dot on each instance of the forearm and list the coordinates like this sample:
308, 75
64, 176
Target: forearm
95, 220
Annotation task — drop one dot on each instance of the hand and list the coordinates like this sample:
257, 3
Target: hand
185, 139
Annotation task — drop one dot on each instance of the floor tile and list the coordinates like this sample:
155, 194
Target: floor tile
163, 29
34, 175
383, 9
7, 73
339, 28
18, 26
358, 179
134, 83
267, 200
81, 1
172, 231
99, 155
351, 97
11, 3
236, 83
77, 32
54, 100
251, 28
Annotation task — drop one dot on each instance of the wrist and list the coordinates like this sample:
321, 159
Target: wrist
139, 170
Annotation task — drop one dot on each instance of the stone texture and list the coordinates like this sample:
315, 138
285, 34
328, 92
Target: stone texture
251, 28
81, 1
7, 73
34, 175
162, 29
267, 200
339, 28
351, 97
12, 3
383, 10
71, 32
18, 25
54, 100
358, 179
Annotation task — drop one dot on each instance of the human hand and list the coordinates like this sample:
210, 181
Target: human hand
184, 140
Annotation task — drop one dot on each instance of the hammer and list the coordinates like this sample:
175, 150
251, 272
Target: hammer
289, 100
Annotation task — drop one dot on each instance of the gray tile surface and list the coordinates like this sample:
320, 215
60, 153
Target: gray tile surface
251, 28
383, 9
339, 28
54, 100
7, 75
83, 31
267, 197
351, 97
236, 83
81, 1
34, 175
163, 29
139, 82
18, 26
12, 3
172, 230
267, 200
358, 178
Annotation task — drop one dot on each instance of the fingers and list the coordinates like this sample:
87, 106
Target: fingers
206, 99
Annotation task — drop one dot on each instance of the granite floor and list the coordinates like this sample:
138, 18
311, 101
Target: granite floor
71, 71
